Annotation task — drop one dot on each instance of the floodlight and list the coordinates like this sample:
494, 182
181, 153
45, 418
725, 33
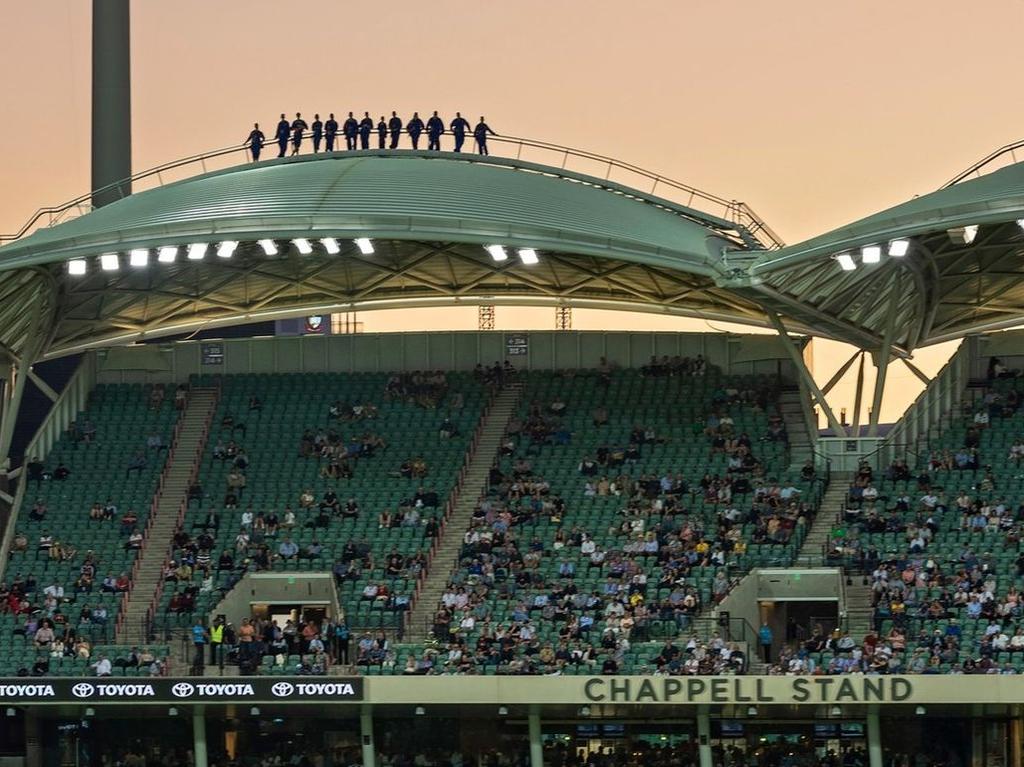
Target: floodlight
963, 235
269, 247
138, 257
167, 254
365, 245
331, 245
110, 262
197, 251
871, 254
227, 248
497, 252
899, 248
846, 262
528, 256
77, 267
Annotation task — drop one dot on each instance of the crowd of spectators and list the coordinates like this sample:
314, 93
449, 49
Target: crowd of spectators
266, 537
650, 547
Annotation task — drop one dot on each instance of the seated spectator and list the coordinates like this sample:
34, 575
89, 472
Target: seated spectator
103, 667
288, 549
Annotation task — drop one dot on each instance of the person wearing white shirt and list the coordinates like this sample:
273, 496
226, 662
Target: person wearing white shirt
588, 547
54, 590
102, 666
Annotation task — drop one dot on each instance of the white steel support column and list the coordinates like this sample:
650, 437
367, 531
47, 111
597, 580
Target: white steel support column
884, 354
805, 374
874, 728
858, 398
704, 756
366, 739
199, 737
536, 741
19, 374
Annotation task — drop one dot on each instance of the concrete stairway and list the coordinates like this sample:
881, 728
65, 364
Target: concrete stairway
193, 429
473, 487
859, 613
801, 449
829, 514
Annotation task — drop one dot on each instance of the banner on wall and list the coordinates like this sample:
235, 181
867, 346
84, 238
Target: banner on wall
170, 690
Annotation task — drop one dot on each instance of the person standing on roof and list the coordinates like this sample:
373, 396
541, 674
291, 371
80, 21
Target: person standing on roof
318, 132
395, 126
459, 127
435, 127
480, 134
414, 128
330, 131
351, 130
255, 142
299, 127
284, 130
382, 133
365, 129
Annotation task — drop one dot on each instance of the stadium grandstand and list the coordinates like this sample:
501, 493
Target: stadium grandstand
237, 533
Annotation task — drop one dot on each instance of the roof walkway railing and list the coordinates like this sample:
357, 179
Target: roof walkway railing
1000, 158
752, 228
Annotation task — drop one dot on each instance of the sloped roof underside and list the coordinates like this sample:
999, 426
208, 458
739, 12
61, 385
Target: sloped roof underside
941, 290
601, 246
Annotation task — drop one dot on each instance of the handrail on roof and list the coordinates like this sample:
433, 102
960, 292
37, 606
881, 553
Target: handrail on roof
975, 171
751, 227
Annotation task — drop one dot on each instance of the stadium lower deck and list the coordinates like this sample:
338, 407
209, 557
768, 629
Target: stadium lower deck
576, 623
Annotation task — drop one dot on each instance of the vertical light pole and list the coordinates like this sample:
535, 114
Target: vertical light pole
111, 100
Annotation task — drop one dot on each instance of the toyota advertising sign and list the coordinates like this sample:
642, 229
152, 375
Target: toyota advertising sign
168, 690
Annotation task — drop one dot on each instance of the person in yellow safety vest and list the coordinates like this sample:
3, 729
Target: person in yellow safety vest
216, 640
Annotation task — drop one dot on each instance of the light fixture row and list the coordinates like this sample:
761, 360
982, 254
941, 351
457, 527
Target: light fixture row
197, 251
872, 254
528, 256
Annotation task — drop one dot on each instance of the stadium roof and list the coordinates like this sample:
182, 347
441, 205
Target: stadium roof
430, 216
961, 273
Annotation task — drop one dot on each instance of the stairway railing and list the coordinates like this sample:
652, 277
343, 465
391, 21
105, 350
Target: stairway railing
999, 158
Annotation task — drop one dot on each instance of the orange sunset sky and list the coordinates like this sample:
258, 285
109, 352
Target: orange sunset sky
814, 113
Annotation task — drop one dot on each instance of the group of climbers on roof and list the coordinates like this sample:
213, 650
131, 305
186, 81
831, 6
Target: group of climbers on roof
357, 133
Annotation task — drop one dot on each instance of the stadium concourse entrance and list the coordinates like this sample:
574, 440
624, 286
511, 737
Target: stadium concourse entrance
440, 735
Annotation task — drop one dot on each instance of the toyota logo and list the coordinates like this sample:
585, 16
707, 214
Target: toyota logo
282, 689
183, 690
83, 690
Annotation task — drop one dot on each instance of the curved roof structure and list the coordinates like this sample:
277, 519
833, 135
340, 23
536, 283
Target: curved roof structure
429, 217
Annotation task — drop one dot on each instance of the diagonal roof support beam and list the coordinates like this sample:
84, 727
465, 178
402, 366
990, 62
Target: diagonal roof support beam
917, 372
839, 373
805, 374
